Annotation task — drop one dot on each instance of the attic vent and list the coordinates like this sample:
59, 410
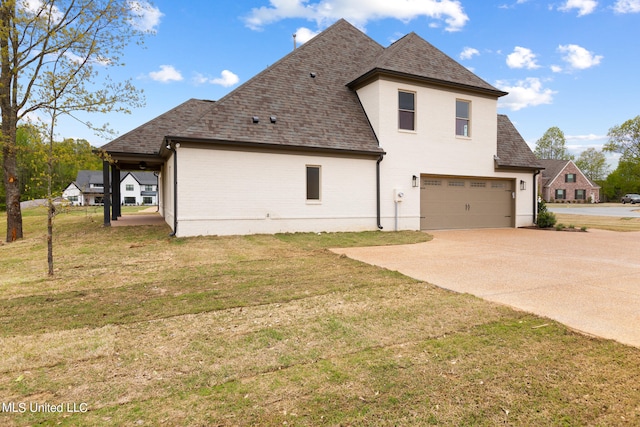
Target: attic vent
313, 75
273, 119
255, 119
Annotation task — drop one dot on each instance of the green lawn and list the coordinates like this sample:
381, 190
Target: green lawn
137, 328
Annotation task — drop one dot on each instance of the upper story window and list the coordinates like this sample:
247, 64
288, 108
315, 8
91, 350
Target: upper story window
129, 187
463, 118
148, 188
570, 177
407, 110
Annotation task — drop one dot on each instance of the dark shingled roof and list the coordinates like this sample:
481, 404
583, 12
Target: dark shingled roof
552, 167
414, 57
85, 178
147, 138
306, 94
513, 151
312, 103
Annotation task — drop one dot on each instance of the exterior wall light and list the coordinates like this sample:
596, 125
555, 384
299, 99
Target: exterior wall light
414, 181
523, 185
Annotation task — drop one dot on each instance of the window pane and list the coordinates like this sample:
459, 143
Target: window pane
406, 120
406, 101
462, 109
462, 127
313, 183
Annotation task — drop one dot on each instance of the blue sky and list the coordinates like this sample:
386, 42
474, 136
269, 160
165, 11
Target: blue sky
566, 63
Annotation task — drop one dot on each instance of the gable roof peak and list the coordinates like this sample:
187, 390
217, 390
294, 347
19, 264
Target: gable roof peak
413, 57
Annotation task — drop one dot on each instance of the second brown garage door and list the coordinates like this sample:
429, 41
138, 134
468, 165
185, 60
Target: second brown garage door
451, 202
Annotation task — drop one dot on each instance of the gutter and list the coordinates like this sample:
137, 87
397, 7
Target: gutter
378, 191
175, 187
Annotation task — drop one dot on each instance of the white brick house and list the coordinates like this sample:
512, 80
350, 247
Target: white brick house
342, 134
136, 188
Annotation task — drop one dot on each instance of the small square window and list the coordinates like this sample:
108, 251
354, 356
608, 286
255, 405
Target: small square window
407, 110
570, 177
463, 118
561, 194
313, 183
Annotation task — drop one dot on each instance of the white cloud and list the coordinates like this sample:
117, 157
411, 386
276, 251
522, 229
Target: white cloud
358, 12
522, 58
525, 93
627, 6
578, 57
226, 79
166, 74
584, 7
144, 16
468, 52
303, 35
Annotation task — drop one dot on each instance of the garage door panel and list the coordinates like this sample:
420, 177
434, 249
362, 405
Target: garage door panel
449, 203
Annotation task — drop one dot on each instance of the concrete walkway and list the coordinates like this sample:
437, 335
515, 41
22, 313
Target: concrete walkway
139, 219
587, 281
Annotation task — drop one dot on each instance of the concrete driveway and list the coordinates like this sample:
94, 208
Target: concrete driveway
621, 211
587, 281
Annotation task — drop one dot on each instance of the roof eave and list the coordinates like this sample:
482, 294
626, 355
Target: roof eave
260, 146
377, 72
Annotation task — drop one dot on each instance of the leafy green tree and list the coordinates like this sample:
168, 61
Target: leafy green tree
625, 139
625, 179
593, 164
552, 145
71, 156
53, 49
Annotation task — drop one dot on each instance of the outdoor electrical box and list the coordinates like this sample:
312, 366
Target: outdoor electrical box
398, 195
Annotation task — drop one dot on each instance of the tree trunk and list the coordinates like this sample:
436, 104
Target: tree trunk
12, 188
8, 89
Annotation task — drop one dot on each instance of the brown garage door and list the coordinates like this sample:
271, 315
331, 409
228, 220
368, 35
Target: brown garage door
450, 202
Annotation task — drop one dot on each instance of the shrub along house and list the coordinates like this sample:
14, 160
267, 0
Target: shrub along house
563, 181
342, 134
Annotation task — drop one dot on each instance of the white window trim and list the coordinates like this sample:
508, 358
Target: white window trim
469, 129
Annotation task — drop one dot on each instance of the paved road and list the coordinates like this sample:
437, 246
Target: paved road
588, 281
622, 211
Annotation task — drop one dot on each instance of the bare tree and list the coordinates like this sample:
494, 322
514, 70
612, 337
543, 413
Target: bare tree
51, 52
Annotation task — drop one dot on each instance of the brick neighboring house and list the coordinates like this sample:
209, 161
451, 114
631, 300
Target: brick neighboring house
562, 181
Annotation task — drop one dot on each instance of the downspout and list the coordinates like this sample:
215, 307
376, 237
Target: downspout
378, 191
175, 187
535, 197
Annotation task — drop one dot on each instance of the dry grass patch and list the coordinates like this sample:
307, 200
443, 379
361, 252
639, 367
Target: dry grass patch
268, 330
601, 222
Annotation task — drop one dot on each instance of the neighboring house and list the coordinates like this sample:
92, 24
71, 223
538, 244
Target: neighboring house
563, 181
341, 134
136, 188
139, 188
87, 189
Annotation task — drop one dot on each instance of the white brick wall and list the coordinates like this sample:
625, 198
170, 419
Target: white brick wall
434, 148
233, 192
